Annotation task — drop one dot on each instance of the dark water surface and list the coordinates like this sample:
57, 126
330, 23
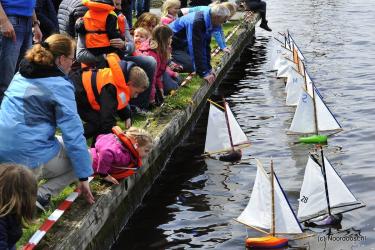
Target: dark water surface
194, 202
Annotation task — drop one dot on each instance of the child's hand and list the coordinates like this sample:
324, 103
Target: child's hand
111, 179
128, 123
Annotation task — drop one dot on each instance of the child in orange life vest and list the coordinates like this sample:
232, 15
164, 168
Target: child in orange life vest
159, 47
169, 11
99, 25
116, 155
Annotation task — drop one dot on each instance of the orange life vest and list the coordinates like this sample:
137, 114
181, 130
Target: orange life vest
95, 23
135, 155
94, 80
122, 23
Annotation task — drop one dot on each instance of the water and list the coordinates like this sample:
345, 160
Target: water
193, 203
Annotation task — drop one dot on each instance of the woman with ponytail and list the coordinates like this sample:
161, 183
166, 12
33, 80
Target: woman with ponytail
39, 100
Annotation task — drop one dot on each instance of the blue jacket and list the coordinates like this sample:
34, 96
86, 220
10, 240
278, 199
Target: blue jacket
219, 34
193, 33
18, 7
31, 111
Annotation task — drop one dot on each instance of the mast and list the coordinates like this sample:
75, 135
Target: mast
227, 120
315, 112
325, 179
272, 200
304, 76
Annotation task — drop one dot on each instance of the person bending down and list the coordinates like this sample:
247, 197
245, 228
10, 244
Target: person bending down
117, 155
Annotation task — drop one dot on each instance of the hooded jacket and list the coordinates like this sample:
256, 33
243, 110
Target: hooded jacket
38, 101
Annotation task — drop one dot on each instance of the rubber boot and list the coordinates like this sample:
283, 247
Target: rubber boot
264, 25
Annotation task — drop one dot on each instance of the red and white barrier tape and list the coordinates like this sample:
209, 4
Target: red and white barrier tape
51, 220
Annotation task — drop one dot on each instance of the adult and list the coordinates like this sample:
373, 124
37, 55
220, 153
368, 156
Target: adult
46, 13
39, 100
191, 40
17, 18
69, 12
259, 6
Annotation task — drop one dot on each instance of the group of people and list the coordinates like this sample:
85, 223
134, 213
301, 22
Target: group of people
86, 69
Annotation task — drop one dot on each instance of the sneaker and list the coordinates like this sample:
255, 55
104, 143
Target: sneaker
264, 26
142, 112
43, 202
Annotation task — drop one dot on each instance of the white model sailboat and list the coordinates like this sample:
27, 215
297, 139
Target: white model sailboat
224, 134
269, 209
323, 192
312, 116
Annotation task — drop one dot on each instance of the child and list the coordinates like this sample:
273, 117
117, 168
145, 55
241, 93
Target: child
159, 48
148, 21
99, 25
169, 11
140, 36
18, 188
117, 155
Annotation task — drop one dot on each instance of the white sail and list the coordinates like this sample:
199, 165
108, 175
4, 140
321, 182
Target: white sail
313, 199
294, 87
217, 136
238, 136
280, 55
285, 67
339, 194
258, 211
304, 117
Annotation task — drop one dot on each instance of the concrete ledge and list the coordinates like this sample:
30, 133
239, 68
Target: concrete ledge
103, 221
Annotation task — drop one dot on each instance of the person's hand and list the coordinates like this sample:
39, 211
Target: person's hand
227, 50
110, 179
37, 34
210, 78
84, 187
128, 123
117, 43
7, 30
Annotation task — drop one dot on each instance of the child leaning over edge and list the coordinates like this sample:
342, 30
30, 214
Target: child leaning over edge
116, 155
18, 188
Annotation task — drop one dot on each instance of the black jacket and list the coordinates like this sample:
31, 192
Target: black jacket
46, 13
10, 231
69, 12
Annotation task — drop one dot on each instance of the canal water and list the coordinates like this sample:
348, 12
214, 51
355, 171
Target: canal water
193, 203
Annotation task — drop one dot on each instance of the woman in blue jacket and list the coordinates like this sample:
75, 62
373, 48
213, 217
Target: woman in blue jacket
39, 100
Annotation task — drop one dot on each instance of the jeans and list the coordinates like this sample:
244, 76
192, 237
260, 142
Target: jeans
169, 83
11, 52
148, 64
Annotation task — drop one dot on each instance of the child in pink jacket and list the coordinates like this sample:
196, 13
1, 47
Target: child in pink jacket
116, 155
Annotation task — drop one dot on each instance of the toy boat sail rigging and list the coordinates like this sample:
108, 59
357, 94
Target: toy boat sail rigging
312, 116
224, 134
269, 209
323, 192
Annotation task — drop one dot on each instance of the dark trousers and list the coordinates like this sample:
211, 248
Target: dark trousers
183, 58
257, 6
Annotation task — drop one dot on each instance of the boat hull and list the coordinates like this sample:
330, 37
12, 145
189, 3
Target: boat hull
266, 242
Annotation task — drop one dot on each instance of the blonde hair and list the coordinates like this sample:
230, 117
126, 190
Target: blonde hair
167, 5
46, 52
18, 190
138, 78
143, 31
232, 7
141, 136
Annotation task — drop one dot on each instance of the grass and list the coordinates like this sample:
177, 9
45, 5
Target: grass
153, 123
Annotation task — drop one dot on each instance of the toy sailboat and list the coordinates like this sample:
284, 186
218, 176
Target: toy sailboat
312, 116
269, 209
224, 136
324, 194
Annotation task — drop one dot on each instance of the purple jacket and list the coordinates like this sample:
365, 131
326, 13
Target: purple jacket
109, 155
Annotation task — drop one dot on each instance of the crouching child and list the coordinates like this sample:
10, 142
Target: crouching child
119, 154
